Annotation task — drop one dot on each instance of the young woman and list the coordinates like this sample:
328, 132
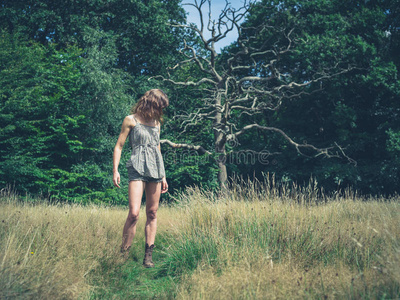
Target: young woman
145, 167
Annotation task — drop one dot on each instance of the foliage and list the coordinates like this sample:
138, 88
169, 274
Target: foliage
138, 29
51, 142
355, 110
118, 45
70, 71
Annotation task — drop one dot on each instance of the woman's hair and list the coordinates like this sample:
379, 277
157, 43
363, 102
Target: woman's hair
150, 105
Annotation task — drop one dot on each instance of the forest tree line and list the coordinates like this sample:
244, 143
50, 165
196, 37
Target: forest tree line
71, 70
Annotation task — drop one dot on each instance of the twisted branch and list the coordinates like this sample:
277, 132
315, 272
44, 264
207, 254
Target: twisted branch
198, 148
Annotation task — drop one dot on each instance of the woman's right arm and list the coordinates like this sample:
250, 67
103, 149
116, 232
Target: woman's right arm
127, 124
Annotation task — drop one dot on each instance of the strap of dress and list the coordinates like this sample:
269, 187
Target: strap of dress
135, 119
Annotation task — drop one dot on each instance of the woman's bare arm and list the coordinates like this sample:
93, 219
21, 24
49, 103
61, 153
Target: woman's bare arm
127, 124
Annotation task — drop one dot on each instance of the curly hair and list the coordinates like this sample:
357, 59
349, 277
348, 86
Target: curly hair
150, 105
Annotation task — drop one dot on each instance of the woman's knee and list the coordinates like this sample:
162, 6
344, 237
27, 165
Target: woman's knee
133, 216
151, 214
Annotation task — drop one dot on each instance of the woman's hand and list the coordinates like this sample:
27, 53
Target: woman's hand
116, 179
164, 186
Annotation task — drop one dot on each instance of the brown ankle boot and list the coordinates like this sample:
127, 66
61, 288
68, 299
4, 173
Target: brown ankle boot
147, 261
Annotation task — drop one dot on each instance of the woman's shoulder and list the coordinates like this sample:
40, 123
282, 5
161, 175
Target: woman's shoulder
130, 120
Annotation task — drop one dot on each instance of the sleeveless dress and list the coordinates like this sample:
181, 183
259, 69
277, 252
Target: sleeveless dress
146, 159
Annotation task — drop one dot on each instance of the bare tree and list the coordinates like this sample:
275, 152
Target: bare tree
250, 81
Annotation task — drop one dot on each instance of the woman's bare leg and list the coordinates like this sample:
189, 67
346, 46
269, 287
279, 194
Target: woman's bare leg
153, 192
135, 193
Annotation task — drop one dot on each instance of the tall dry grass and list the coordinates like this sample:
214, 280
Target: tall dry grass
256, 240
262, 241
47, 251
62, 251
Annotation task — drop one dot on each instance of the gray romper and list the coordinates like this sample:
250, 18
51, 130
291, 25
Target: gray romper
146, 162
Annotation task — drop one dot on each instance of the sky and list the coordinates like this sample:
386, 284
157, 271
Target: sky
216, 7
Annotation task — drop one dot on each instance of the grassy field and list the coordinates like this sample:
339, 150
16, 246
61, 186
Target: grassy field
255, 241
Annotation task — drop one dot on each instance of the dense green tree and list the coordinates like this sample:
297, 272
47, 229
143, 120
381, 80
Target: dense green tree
358, 110
51, 142
116, 44
138, 28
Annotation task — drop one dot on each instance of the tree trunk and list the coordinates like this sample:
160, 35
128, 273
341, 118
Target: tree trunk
222, 174
221, 159
220, 141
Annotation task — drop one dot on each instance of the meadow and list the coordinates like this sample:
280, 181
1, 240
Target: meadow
256, 240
